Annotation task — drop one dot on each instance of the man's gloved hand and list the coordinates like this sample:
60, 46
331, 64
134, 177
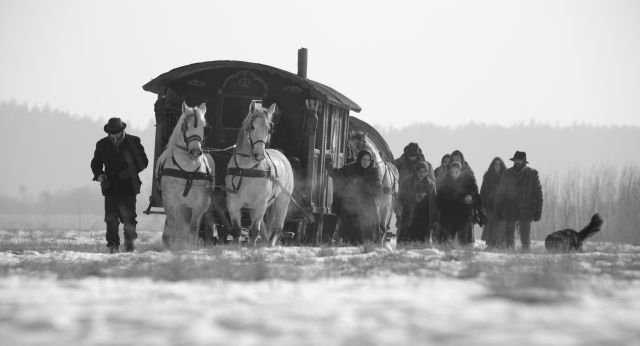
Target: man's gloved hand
101, 178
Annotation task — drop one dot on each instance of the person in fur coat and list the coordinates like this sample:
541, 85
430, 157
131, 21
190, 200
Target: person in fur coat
493, 231
519, 200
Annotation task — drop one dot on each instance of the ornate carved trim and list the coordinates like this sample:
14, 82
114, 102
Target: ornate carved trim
244, 80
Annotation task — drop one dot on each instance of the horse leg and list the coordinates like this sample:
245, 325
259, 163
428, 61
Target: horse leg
170, 227
276, 216
183, 226
236, 217
257, 215
194, 225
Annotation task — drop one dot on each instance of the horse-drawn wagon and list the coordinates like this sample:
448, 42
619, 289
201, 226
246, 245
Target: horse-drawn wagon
311, 122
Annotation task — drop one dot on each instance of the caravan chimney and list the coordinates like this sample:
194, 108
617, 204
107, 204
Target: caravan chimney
302, 63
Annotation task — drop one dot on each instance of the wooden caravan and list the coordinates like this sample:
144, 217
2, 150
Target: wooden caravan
312, 120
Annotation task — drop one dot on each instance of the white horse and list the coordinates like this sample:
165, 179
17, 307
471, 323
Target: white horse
258, 179
185, 176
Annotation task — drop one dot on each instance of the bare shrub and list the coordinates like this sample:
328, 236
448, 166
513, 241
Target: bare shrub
571, 198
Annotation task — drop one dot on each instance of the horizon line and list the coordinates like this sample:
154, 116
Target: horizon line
532, 122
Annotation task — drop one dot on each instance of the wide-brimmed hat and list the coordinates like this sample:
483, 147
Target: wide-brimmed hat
520, 155
115, 125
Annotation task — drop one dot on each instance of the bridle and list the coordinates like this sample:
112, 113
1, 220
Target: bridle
185, 127
248, 130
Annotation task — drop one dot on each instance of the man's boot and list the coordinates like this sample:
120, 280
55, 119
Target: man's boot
129, 236
115, 248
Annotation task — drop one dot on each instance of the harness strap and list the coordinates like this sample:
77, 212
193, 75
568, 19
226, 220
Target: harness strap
188, 176
248, 172
244, 172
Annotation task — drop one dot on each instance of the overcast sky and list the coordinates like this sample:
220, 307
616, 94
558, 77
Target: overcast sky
447, 62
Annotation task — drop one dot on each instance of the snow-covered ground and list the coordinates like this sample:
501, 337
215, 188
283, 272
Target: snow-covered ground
61, 288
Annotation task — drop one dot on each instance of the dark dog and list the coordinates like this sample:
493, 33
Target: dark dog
568, 240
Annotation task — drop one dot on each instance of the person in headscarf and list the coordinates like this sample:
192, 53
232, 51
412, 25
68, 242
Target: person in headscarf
411, 155
493, 231
441, 171
418, 198
457, 155
456, 199
359, 187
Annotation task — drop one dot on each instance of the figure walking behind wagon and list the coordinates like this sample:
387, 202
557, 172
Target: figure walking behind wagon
359, 187
459, 204
117, 160
493, 231
411, 155
519, 200
418, 198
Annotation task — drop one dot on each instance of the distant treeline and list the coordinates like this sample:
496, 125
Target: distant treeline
82, 200
45, 149
571, 197
46, 155
547, 147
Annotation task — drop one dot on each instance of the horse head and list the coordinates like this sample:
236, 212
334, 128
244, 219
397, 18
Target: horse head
257, 128
193, 125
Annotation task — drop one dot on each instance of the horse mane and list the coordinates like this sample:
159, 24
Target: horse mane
176, 135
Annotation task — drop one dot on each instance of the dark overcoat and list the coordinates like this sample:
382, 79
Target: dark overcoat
454, 212
359, 190
121, 164
405, 167
489, 189
519, 195
423, 214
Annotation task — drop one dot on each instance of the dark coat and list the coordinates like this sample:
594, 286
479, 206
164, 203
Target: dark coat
490, 184
359, 190
405, 167
120, 164
454, 213
423, 214
519, 196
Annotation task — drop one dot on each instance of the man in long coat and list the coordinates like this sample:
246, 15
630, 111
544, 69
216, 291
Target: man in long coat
519, 200
117, 160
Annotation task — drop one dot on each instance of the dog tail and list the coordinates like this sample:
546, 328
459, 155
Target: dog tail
592, 228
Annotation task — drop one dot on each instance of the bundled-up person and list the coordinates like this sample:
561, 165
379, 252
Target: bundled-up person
519, 200
457, 198
442, 171
359, 187
411, 155
493, 231
418, 198
457, 155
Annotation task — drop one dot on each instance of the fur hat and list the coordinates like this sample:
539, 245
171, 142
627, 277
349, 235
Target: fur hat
115, 125
412, 149
520, 155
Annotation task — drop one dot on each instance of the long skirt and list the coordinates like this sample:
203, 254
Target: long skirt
494, 231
